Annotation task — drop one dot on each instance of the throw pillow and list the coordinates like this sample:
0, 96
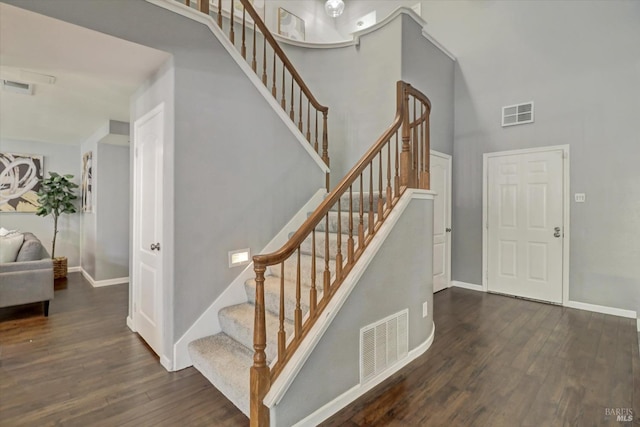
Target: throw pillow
9, 247
5, 232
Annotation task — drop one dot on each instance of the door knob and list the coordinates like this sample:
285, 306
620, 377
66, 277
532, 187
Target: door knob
448, 230
556, 232
155, 246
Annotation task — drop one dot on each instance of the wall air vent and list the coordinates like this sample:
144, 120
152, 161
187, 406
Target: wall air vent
17, 87
383, 344
517, 114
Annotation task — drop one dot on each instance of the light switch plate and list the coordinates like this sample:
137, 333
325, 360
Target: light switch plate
425, 309
580, 197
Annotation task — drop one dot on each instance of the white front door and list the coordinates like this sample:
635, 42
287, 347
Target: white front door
440, 171
147, 272
525, 224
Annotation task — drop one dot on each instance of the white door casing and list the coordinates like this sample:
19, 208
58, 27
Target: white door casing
440, 174
148, 141
525, 223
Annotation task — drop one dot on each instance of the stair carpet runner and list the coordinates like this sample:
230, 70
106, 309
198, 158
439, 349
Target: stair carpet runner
225, 358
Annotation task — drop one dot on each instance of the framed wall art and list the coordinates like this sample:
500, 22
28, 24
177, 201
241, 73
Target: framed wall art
20, 181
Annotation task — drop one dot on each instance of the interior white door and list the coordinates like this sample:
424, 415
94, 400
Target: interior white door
440, 171
525, 225
147, 272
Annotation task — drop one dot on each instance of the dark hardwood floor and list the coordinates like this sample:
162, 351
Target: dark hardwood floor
495, 361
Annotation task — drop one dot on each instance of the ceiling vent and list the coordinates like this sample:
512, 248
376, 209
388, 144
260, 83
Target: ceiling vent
383, 344
17, 87
518, 114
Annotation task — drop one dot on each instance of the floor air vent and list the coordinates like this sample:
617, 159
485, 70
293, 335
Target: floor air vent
383, 344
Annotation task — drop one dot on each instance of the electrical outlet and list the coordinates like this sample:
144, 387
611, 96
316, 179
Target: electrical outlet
425, 309
580, 197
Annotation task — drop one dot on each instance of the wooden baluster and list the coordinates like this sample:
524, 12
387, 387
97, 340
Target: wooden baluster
327, 272
219, 12
371, 214
243, 49
308, 120
283, 101
421, 147
254, 63
291, 112
315, 145
405, 156
298, 312
380, 201
339, 250
187, 3
232, 34
282, 334
313, 297
389, 192
274, 86
325, 144
426, 178
350, 244
300, 111
260, 380
204, 6
396, 177
361, 223
325, 139
416, 147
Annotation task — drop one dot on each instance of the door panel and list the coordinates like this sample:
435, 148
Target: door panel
440, 170
147, 280
525, 195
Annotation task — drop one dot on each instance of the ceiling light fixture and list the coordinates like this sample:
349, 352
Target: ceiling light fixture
334, 8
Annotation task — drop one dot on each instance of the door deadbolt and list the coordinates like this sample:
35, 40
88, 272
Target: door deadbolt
556, 232
448, 230
155, 246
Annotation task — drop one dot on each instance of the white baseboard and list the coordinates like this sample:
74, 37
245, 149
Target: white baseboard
75, 269
166, 363
602, 309
208, 322
130, 324
100, 283
465, 285
355, 392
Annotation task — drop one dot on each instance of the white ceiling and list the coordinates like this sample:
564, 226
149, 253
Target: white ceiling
95, 76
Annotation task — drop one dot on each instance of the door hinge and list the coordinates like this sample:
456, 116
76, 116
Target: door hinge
486, 274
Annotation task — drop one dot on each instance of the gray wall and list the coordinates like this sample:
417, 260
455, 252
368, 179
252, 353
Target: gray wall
580, 63
238, 173
63, 159
359, 86
112, 192
105, 230
431, 71
397, 283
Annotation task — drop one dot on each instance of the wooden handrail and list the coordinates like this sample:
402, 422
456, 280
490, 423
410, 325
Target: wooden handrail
283, 57
411, 170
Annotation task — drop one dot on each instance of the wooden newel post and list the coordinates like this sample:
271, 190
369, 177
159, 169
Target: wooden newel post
259, 374
325, 144
405, 155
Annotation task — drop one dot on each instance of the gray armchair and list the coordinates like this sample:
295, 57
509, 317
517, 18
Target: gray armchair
30, 278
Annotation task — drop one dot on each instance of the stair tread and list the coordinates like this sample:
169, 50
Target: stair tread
237, 323
225, 363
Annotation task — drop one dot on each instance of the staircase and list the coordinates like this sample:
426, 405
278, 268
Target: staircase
294, 285
224, 359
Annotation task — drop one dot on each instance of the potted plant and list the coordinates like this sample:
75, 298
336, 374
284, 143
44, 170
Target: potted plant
56, 197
